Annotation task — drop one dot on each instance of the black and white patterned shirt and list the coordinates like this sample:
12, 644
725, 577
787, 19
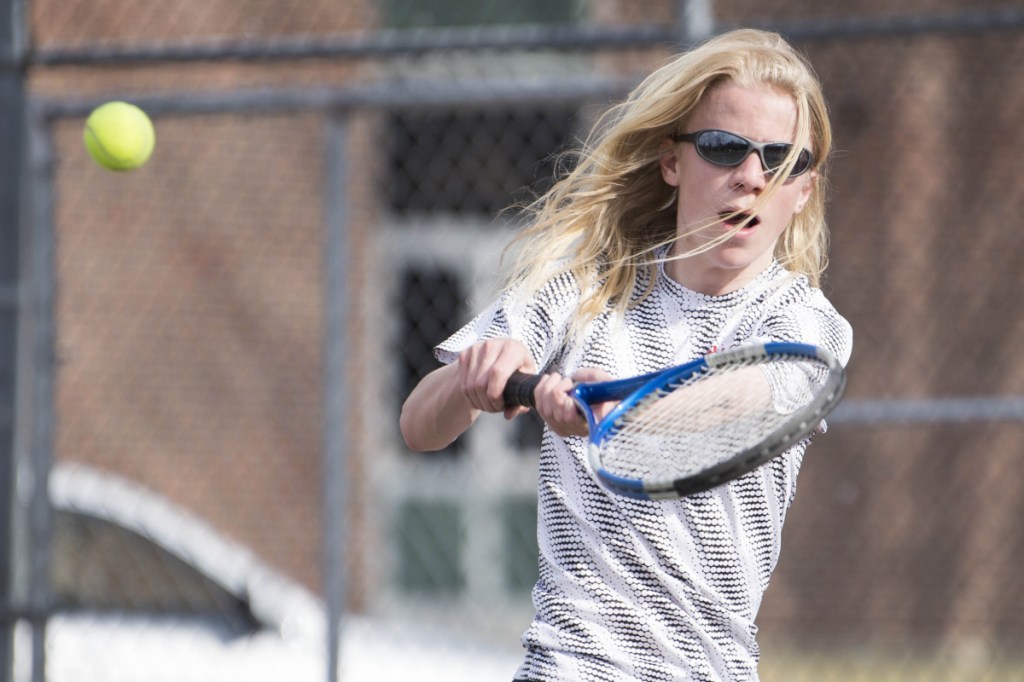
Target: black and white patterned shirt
654, 590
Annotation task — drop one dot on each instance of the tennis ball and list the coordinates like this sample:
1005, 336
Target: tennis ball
119, 136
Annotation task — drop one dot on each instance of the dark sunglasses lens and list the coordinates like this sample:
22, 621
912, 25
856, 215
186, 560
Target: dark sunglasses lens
775, 156
803, 163
722, 148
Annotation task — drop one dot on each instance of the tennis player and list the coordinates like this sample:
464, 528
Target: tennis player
692, 221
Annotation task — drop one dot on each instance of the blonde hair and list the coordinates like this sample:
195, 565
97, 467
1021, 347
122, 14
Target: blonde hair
604, 219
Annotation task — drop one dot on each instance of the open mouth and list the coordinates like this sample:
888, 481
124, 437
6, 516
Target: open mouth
741, 219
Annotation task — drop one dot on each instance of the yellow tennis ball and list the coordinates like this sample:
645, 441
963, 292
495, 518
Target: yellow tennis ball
119, 136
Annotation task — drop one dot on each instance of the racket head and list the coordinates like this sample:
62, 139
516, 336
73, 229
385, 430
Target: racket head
587, 394
627, 460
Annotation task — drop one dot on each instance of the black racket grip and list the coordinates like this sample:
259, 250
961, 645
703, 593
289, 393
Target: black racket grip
519, 389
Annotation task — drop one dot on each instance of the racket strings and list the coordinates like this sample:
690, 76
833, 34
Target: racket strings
685, 428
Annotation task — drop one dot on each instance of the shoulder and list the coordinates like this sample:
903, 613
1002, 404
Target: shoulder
555, 298
804, 313
537, 318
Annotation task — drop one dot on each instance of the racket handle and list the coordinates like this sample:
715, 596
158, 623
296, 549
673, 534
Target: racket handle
519, 389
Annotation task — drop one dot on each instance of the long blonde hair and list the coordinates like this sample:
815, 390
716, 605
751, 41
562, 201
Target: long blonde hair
606, 217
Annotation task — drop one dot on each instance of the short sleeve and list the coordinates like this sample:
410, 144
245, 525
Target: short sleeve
809, 318
540, 322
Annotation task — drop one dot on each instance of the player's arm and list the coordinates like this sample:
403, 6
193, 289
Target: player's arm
447, 401
436, 413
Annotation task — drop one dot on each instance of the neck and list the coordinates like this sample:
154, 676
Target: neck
712, 281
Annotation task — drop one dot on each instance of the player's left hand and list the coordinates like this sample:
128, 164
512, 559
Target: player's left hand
557, 408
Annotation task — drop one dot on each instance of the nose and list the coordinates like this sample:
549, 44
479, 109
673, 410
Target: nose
750, 173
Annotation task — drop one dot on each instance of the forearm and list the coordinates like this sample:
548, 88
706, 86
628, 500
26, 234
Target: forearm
436, 412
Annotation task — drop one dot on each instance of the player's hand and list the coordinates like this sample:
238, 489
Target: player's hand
484, 368
557, 408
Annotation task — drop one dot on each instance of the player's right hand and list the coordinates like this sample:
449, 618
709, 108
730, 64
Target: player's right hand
485, 367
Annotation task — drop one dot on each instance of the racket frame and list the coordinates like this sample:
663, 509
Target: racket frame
800, 424
631, 391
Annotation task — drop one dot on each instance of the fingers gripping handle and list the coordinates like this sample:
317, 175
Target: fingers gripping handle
519, 389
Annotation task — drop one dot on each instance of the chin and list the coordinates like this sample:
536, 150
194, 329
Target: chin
740, 265
741, 259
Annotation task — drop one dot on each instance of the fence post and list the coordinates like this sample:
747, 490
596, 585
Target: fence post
696, 21
12, 94
335, 447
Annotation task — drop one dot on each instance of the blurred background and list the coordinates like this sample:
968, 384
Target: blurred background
202, 361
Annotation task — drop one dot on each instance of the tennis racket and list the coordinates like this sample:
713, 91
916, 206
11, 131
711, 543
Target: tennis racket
690, 428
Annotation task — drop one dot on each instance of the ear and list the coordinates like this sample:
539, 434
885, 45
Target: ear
669, 163
806, 191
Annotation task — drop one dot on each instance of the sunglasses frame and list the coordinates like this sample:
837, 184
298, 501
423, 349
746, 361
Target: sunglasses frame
759, 147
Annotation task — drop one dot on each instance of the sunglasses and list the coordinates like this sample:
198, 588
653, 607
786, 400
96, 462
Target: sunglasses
729, 149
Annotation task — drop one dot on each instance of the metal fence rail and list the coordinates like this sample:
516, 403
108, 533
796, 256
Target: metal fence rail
390, 43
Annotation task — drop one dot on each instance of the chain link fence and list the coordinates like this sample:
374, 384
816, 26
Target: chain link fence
235, 326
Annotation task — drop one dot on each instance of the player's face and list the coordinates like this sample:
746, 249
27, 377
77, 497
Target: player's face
707, 192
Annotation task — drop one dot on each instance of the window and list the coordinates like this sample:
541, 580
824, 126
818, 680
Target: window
519, 525
431, 301
448, 173
476, 162
430, 538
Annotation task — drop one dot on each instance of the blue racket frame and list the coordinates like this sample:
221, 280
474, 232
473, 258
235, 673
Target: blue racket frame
629, 392
796, 428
